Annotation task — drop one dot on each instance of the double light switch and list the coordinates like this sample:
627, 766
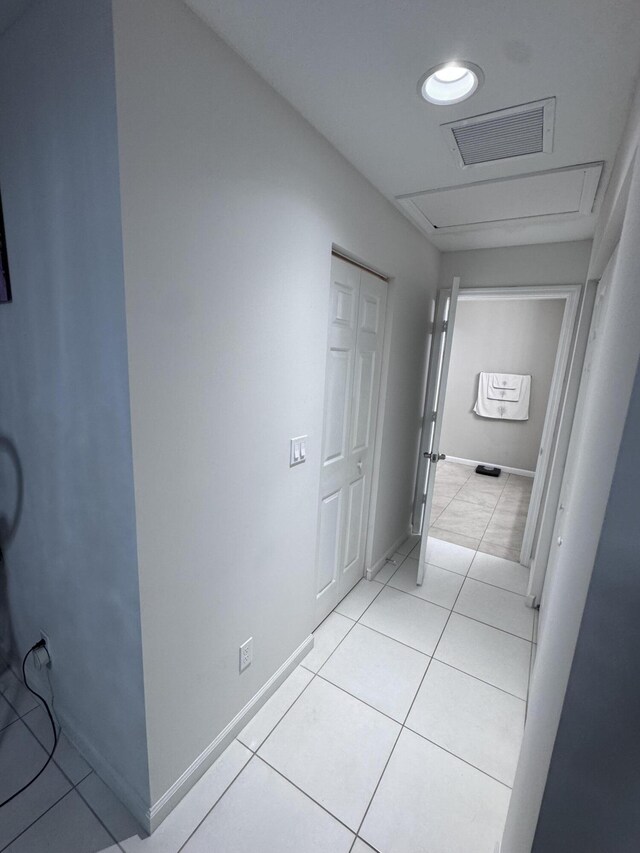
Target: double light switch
298, 450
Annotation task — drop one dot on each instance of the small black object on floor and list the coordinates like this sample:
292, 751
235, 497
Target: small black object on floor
488, 470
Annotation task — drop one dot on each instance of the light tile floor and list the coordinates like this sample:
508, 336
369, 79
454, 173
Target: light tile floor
399, 732
482, 513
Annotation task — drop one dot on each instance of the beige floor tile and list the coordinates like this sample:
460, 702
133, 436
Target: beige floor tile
469, 519
445, 491
504, 531
517, 481
452, 473
454, 538
438, 507
499, 550
513, 503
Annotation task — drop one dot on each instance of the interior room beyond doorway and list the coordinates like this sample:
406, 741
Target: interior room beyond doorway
511, 336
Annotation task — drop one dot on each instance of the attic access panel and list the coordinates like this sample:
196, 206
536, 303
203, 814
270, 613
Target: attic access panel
559, 193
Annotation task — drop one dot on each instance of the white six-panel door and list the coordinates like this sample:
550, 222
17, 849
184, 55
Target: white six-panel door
357, 309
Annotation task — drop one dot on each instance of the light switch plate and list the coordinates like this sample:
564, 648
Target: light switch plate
298, 450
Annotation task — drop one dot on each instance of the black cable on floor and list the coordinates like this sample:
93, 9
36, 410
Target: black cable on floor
38, 645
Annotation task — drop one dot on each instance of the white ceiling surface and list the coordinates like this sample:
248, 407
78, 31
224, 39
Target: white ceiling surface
351, 67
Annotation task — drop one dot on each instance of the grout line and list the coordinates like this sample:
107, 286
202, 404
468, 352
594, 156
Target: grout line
330, 614
467, 535
306, 687
373, 580
307, 795
426, 600
481, 680
42, 814
442, 607
197, 827
47, 748
495, 585
485, 545
494, 510
433, 566
368, 843
364, 701
402, 725
459, 757
490, 624
495, 628
94, 812
280, 719
375, 790
389, 637
423, 597
406, 717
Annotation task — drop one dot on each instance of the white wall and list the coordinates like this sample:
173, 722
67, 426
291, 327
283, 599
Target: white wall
591, 795
231, 203
70, 545
503, 336
544, 263
597, 441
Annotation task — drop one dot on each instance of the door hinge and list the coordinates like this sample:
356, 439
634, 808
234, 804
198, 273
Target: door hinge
434, 415
445, 325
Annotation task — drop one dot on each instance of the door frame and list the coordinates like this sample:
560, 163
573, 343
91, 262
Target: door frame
571, 294
551, 500
345, 255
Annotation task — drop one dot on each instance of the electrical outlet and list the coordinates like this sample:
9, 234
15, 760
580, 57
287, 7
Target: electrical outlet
246, 653
47, 641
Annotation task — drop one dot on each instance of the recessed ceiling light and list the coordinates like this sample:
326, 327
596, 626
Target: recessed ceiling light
450, 82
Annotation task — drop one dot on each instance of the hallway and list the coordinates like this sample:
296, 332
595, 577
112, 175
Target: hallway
399, 731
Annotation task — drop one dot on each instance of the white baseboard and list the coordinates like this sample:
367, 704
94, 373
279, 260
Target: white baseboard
150, 818
522, 472
371, 572
169, 800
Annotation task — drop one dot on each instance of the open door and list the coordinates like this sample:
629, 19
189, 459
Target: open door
439, 357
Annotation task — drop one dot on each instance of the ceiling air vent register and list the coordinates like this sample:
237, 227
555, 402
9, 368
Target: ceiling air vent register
515, 132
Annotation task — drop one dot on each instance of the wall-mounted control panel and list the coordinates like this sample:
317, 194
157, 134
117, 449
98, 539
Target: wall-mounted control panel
298, 450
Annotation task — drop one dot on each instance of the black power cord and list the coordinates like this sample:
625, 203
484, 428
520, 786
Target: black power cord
38, 645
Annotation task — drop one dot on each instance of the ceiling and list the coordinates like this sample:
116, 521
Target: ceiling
351, 67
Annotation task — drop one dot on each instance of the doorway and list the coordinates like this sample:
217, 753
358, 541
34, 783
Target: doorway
523, 334
355, 346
